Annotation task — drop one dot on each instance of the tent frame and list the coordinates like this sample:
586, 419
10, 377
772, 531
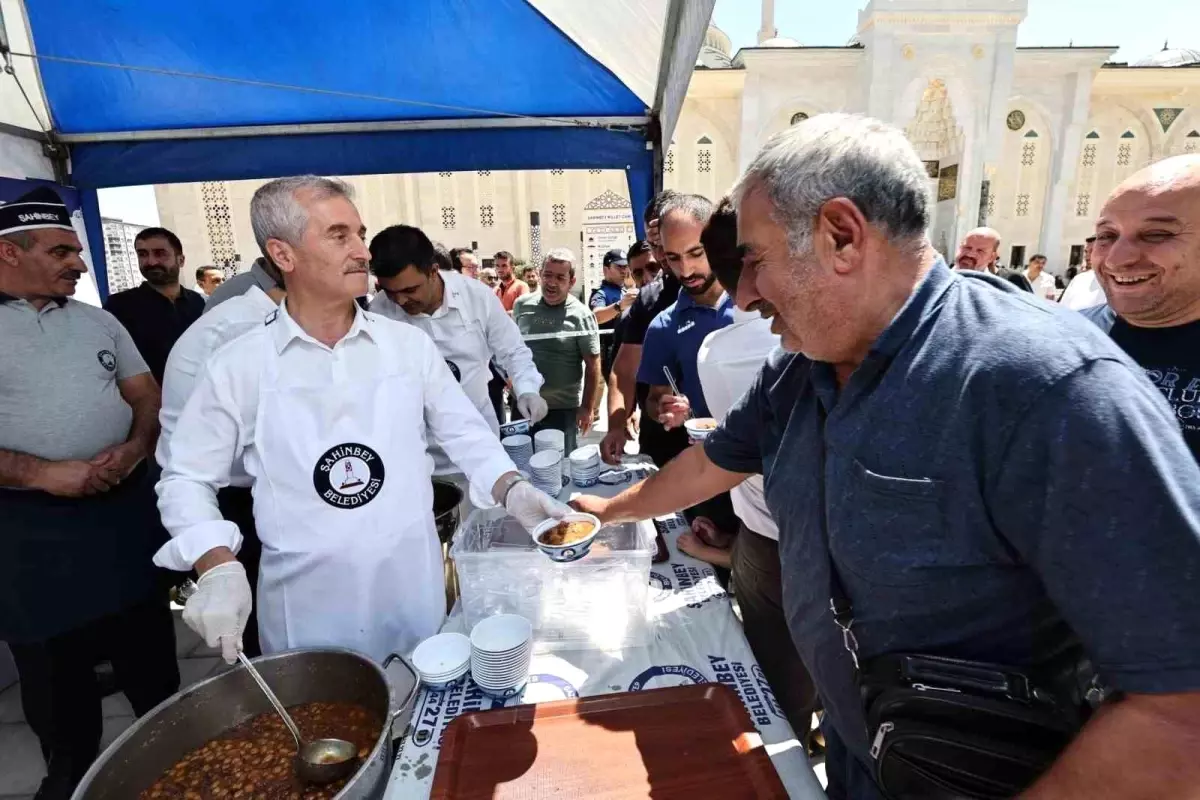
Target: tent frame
631, 143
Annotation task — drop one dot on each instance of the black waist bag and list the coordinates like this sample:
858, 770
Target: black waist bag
947, 729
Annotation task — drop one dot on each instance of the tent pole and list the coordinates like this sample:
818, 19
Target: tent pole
89, 203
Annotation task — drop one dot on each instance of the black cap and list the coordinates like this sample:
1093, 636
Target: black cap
615, 257
40, 208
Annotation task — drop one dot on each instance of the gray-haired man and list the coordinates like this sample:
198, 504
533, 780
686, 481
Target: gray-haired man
913, 486
566, 347
329, 408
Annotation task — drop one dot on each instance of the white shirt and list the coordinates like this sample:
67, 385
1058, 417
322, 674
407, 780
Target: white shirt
1083, 292
217, 426
1044, 285
191, 352
477, 326
728, 362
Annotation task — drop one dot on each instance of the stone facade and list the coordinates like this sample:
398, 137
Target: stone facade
1027, 140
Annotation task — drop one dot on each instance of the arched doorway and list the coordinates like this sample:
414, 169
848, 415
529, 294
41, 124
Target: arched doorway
938, 138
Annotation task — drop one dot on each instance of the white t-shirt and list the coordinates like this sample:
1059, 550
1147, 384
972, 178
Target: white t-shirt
1083, 292
1044, 286
728, 362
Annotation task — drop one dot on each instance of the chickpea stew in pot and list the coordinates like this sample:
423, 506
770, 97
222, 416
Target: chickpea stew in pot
254, 759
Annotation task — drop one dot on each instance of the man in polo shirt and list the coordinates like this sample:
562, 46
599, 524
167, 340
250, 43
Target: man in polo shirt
913, 475
607, 301
673, 341
561, 334
702, 307
79, 523
157, 312
625, 392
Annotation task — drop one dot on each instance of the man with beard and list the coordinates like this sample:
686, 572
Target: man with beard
157, 312
980, 250
78, 526
703, 306
508, 287
1148, 263
673, 342
625, 392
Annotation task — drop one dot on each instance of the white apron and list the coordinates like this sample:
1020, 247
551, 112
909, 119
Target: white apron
462, 343
344, 508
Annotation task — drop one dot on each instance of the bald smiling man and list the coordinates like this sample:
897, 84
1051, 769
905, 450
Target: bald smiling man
980, 249
1147, 260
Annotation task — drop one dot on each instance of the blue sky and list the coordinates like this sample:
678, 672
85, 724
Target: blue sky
1138, 28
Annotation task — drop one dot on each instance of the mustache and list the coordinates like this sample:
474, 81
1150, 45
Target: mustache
354, 270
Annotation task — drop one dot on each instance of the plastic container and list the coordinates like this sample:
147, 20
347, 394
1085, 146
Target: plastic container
598, 602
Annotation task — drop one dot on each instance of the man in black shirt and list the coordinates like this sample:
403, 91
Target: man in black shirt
1147, 259
158, 312
653, 440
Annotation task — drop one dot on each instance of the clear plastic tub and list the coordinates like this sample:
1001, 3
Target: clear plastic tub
599, 602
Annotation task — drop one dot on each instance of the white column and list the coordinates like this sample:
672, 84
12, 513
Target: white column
767, 30
1065, 160
748, 143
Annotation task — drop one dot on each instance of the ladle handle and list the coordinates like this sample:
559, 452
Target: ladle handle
262, 684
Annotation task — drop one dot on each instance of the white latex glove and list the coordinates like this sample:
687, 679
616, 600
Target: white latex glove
531, 507
532, 406
220, 607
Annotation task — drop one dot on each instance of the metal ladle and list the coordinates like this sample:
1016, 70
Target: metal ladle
319, 761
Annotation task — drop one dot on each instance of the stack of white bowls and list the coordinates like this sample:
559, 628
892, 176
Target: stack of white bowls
586, 465
546, 468
442, 660
550, 439
501, 651
519, 449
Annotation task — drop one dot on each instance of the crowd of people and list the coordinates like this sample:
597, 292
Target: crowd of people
916, 462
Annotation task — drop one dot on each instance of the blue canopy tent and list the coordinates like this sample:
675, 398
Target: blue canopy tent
140, 92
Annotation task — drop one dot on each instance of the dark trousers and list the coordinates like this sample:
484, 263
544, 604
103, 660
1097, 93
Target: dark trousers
496, 393
61, 696
237, 506
561, 419
757, 574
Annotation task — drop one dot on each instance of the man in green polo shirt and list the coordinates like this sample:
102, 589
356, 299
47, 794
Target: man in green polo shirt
562, 335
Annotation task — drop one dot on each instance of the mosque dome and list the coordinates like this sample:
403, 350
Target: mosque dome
714, 53
780, 41
1171, 57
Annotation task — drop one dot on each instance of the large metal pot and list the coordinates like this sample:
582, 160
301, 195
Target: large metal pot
207, 709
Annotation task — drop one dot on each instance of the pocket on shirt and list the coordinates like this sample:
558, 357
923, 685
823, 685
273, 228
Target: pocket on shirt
891, 529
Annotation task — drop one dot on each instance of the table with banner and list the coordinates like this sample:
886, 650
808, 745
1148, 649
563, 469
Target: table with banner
697, 639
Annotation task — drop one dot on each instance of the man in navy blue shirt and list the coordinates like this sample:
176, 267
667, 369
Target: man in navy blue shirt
992, 478
675, 336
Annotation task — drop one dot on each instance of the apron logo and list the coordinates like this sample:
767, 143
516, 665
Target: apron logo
348, 476
107, 360
454, 370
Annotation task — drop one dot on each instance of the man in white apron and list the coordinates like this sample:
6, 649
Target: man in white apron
463, 317
330, 410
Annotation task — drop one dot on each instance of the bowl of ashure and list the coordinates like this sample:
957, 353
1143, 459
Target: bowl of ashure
699, 428
567, 539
